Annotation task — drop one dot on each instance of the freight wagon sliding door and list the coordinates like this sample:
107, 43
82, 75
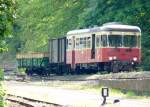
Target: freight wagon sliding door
53, 50
57, 51
62, 50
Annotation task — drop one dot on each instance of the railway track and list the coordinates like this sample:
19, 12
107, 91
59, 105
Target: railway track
28, 102
128, 78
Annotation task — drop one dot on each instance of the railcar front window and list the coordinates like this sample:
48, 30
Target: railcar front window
130, 41
115, 40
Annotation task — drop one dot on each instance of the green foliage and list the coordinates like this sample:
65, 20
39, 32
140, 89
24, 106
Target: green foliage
1, 89
6, 19
1, 74
38, 20
22, 70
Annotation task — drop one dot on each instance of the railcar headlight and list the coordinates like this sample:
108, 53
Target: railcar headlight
114, 57
110, 58
132, 63
135, 59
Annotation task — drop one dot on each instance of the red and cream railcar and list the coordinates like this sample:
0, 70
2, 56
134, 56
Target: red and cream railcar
111, 47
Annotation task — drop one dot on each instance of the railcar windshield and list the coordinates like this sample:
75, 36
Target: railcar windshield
130, 41
115, 40
118, 41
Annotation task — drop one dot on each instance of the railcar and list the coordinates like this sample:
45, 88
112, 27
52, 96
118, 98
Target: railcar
112, 47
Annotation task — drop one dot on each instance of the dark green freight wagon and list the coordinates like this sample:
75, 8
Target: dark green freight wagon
33, 62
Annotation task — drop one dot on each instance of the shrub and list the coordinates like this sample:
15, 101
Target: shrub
1, 74
22, 70
1, 89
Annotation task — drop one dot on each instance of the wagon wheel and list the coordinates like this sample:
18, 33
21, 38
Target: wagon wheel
129, 67
115, 67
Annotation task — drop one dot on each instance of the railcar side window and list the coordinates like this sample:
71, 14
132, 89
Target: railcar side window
81, 43
104, 40
98, 41
77, 43
84, 42
88, 42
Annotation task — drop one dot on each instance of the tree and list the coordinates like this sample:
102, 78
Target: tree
6, 19
39, 20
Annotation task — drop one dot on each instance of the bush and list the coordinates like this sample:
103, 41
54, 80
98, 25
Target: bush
1, 74
22, 70
1, 89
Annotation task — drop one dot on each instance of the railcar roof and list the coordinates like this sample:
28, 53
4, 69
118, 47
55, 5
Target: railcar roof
107, 27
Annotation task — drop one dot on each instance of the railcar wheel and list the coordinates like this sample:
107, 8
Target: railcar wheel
115, 67
77, 70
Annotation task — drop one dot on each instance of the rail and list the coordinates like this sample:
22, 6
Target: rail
28, 102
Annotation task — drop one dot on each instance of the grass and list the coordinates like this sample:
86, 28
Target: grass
97, 89
101, 75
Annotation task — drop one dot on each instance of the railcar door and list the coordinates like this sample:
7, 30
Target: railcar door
73, 52
93, 47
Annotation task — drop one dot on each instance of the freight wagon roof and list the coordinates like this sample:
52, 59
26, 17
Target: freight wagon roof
107, 27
